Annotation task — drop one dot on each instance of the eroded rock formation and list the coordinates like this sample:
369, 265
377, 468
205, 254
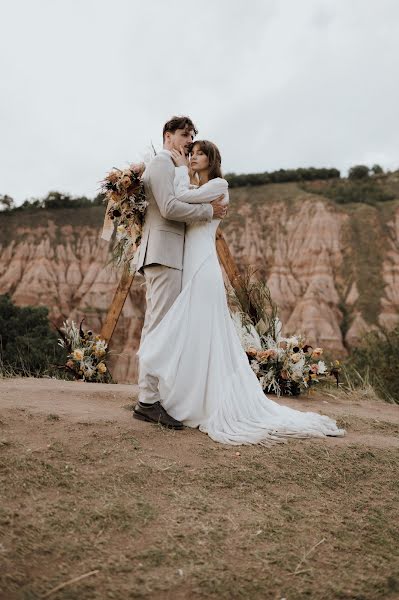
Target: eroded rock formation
333, 272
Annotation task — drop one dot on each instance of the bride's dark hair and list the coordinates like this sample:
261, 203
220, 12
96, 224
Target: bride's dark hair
213, 154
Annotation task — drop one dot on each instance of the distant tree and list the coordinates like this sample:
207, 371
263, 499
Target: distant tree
32, 203
377, 170
27, 344
56, 200
80, 201
6, 202
281, 176
358, 172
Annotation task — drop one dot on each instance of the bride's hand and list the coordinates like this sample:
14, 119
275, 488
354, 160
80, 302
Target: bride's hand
179, 158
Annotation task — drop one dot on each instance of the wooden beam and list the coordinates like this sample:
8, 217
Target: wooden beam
117, 303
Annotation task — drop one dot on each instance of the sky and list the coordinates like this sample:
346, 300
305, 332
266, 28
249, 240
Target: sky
87, 85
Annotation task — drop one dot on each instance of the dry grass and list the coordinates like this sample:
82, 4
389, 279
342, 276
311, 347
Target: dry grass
302, 520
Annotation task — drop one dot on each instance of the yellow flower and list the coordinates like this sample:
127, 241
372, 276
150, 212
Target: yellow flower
78, 354
120, 229
101, 367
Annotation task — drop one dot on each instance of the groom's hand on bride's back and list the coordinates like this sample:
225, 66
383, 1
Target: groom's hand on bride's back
219, 208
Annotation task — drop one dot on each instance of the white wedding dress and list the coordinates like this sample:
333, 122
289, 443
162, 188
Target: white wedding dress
205, 379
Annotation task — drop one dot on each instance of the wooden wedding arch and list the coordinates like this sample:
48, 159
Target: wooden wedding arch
225, 257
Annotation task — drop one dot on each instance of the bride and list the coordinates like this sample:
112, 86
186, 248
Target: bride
205, 379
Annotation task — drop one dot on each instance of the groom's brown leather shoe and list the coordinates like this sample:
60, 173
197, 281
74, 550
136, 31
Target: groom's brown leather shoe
155, 413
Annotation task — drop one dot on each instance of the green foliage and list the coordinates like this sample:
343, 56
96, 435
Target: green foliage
377, 170
27, 344
367, 191
378, 358
56, 200
358, 172
6, 202
281, 176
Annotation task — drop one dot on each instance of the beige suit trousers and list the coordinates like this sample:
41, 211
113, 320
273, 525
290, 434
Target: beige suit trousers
163, 286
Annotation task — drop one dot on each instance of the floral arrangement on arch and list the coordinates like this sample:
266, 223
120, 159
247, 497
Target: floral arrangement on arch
86, 353
124, 194
283, 365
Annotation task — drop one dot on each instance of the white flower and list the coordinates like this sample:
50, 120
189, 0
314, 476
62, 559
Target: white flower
292, 341
321, 367
100, 348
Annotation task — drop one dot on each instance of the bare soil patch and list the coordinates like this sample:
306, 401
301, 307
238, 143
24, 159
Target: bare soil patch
151, 513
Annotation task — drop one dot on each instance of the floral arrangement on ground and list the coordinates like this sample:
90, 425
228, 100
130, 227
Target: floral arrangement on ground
283, 365
86, 353
124, 194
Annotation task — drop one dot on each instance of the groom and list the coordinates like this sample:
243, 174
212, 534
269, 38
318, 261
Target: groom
160, 256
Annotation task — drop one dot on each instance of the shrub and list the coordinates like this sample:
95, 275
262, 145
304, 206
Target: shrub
27, 344
6, 202
378, 357
377, 170
281, 176
367, 192
358, 172
54, 200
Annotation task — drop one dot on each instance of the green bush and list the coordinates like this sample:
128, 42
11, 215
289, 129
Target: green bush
54, 200
281, 176
377, 170
27, 344
366, 191
378, 358
358, 172
6, 202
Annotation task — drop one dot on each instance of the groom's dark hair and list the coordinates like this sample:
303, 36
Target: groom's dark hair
178, 123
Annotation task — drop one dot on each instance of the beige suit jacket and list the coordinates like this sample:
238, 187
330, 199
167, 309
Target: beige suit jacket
163, 233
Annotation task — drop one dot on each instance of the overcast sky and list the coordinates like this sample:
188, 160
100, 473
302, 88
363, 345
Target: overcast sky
86, 85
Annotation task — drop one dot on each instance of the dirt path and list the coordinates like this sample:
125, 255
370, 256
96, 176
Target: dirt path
372, 423
142, 512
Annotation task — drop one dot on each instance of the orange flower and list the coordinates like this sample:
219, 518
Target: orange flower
125, 182
266, 354
252, 352
317, 352
113, 176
